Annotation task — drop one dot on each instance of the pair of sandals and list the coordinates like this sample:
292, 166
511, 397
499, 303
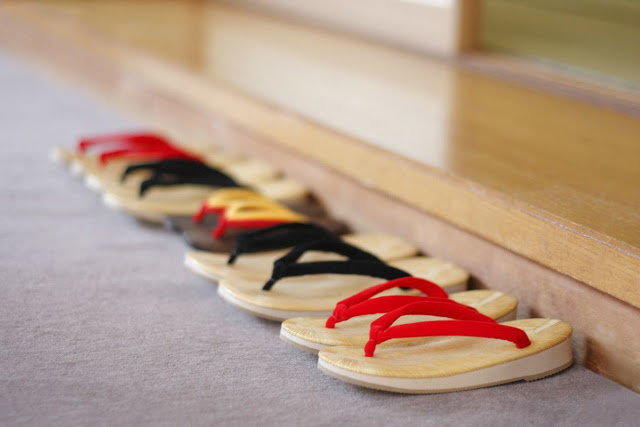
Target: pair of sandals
227, 213
404, 335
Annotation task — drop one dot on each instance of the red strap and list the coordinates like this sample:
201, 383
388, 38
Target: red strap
205, 210
124, 139
160, 152
470, 323
224, 223
361, 303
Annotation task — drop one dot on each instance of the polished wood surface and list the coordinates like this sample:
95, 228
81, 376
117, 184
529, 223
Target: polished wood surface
550, 178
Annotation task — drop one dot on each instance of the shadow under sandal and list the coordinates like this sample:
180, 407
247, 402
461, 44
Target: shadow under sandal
312, 289
351, 318
255, 252
460, 354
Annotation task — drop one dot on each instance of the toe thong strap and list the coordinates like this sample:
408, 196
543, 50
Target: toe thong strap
217, 202
469, 323
363, 302
147, 152
360, 263
123, 140
176, 166
254, 214
277, 237
180, 171
330, 245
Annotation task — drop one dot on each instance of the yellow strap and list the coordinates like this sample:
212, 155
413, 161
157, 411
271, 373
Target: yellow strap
222, 198
260, 209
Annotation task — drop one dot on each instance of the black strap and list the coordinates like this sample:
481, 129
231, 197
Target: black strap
334, 245
360, 263
180, 172
183, 167
351, 267
277, 237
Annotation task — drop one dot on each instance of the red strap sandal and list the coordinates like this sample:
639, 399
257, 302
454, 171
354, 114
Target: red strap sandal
453, 355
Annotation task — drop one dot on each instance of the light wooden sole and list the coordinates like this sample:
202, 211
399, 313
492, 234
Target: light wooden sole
282, 315
201, 269
76, 168
93, 183
530, 368
214, 266
187, 199
60, 156
266, 312
197, 268
299, 343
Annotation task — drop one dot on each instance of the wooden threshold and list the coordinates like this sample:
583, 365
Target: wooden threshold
506, 244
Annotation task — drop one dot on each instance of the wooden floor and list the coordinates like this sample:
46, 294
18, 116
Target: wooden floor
540, 176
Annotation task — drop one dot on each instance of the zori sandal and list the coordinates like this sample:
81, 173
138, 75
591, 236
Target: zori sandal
106, 170
255, 252
128, 183
312, 288
349, 323
117, 150
219, 200
450, 355
242, 215
177, 187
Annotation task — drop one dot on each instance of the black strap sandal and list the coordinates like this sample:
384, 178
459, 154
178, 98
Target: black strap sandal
312, 289
179, 172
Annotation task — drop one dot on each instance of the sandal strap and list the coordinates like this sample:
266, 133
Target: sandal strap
254, 214
124, 140
146, 152
216, 203
176, 166
330, 245
362, 303
361, 264
277, 237
179, 172
469, 322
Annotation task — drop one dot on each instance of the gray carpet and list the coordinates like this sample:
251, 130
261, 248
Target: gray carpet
101, 324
